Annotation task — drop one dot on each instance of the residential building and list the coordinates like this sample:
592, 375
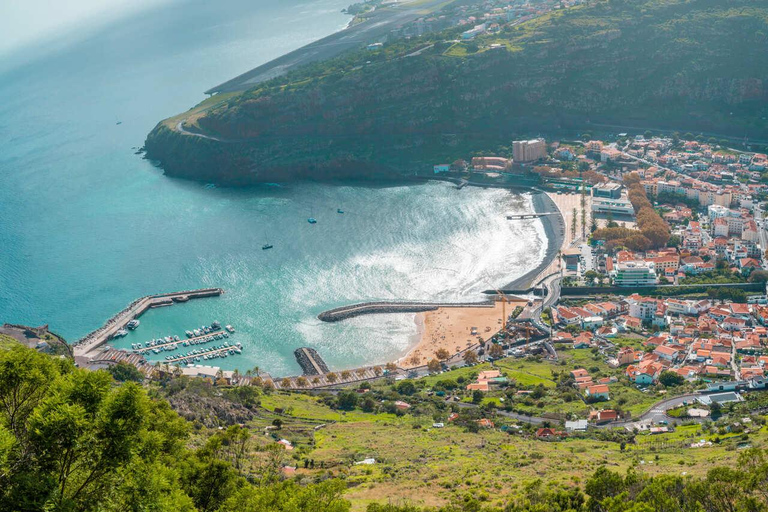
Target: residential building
529, 150
635, 273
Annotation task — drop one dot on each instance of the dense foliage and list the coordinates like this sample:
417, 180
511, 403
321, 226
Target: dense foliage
698, 65
73, 440
653, 231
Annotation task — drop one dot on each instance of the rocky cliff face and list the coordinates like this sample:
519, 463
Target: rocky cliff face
698, 65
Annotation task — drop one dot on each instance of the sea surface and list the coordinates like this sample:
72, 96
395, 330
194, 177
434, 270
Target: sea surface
87, 226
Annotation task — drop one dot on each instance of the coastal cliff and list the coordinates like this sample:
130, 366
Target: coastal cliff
696, 65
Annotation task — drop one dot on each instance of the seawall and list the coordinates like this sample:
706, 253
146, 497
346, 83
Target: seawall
367, 308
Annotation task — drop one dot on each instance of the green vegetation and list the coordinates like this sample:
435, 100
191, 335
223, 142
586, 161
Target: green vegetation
73, 440
688, 64
7, 342
653, 231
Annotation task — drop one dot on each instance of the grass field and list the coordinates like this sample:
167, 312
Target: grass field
430, 466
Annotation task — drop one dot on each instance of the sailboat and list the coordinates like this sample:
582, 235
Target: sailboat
267, 245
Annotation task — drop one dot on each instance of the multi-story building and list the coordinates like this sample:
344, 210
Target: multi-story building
608, 190
614, 206
529, 150
635, 273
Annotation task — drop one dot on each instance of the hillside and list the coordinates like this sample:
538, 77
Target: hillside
696, 65
74, 440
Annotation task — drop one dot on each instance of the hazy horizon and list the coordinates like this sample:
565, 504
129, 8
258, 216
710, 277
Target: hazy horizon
36, 21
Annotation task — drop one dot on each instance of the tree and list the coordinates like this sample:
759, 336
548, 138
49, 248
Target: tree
470, 357
377, 370
331, 377
671, 379
573, 223
123, 371
477, 396
346, 400
496, 351
433, 365
442, 354
345, 375
289, 496
302, 382
405, 387
758, 276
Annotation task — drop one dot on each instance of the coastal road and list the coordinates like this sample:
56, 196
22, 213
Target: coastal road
376, 28
180, 128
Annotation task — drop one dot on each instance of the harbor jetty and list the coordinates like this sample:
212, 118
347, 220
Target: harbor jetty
366, 308
134, 310
310, 361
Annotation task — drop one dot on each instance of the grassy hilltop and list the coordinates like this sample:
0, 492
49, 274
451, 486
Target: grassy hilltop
692, 65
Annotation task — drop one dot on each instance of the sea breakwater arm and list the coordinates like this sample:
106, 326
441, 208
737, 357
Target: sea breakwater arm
383, 112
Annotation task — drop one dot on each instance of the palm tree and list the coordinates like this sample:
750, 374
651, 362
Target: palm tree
256, 370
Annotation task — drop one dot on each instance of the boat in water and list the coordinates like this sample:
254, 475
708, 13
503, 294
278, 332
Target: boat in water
121, 333
132, 324
266, 246
312, 220
339, 211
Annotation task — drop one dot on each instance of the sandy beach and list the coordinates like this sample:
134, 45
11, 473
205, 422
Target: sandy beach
451, 329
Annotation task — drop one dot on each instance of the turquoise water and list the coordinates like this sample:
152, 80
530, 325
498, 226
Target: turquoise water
86, 226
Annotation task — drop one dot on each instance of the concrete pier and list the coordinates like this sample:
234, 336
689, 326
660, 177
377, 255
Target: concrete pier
310, 361
134, 310
366, 308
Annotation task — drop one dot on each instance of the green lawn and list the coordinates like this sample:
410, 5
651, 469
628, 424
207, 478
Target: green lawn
7, 342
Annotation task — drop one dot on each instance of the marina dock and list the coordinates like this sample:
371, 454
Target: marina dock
212, 352
134, 310
195, 340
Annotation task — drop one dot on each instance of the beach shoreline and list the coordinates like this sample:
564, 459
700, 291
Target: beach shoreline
451, 328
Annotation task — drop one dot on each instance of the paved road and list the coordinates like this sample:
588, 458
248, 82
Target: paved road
180, 128
376, 28
656, 413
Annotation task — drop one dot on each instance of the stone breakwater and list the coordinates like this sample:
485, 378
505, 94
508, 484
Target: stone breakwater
367, 308
134, 310
310, 361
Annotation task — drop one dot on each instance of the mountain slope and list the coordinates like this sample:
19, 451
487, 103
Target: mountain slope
696, 65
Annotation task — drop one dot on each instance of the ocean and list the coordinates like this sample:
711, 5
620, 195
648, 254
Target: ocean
87, 226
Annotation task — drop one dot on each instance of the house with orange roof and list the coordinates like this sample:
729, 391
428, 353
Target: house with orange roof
579, 372
598, 391
603, 416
